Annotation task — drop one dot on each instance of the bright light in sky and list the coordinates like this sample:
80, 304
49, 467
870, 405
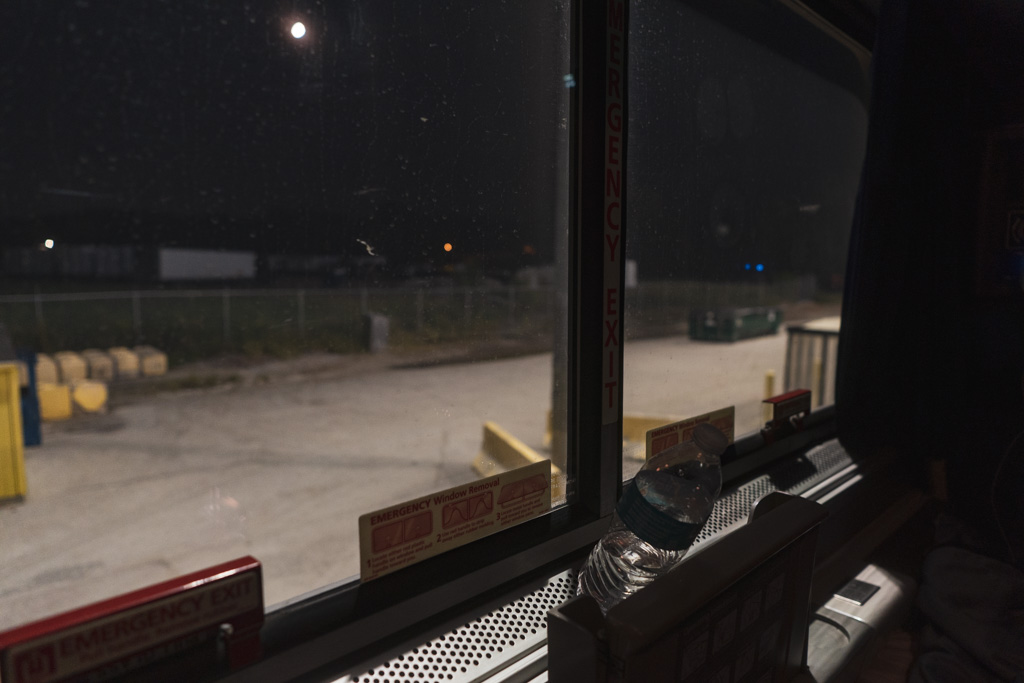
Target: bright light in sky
48, 244
298, 29
447, 246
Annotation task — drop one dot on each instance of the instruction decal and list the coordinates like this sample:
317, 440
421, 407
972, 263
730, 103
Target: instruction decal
660, 438
403, 534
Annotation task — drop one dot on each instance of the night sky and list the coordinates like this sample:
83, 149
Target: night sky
406, 125
200, 123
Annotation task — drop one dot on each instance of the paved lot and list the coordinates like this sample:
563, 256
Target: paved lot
281, 465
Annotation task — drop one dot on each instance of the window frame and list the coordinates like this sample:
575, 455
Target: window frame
350, 624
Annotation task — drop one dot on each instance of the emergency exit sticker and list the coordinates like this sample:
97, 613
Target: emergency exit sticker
660, 438
403, 534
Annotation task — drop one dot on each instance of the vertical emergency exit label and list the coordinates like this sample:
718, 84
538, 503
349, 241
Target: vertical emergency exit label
403, 534
614, 150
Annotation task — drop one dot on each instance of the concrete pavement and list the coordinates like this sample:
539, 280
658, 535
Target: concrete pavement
281, 469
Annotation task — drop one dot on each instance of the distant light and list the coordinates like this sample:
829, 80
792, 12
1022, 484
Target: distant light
760, 267
447, 246
48, 244
298, 29
746, 267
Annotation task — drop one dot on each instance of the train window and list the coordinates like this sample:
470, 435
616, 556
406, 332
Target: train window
340, 221
743, 164
359, 231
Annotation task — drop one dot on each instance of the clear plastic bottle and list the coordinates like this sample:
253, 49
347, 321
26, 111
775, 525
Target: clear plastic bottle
657, 519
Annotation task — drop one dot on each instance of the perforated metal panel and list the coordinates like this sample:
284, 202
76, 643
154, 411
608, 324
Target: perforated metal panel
792, 476
483, 648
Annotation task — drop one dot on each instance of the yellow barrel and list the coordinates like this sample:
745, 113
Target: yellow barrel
152, 361
72, 366
46, 369
100, 364
12, 442
126, 362
54, 401
88, 395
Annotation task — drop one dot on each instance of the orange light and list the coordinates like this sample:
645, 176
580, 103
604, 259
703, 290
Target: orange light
447, 246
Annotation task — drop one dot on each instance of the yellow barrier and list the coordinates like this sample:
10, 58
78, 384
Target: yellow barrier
72, 366
12, 442
46, 369
501, 452
153, 362
89, 395
635, 427
126, 362
100, 364
54, 401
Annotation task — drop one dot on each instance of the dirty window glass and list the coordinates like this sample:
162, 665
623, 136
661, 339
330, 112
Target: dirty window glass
743, 168
286, 261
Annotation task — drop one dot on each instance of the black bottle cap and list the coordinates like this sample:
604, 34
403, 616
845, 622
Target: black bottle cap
710, 439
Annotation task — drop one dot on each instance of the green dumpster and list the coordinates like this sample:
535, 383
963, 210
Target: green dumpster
732, 324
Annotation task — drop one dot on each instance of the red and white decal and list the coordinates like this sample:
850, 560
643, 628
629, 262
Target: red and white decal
398, 536
141, 627
789, 404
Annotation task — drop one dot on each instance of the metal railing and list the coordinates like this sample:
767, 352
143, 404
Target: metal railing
811, 352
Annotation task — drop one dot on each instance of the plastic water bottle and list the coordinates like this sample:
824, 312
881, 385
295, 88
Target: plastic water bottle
657, 519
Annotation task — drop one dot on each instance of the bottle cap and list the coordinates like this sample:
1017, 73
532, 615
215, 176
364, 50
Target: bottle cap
710, 439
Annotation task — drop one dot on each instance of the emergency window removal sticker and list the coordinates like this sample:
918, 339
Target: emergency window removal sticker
660, 438
404, 534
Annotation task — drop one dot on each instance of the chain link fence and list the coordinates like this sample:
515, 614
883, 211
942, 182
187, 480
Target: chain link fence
202, 323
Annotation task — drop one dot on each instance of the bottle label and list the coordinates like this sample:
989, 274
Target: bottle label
652, 525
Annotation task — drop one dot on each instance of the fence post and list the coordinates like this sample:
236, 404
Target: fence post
225, 295
511, 307
301, 315
40, 321
419, 310
816, 383
137, 316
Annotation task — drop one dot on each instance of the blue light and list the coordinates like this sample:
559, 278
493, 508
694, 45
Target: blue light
760, 267
746, 267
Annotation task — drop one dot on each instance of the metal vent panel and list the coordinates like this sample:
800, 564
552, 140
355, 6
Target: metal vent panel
498, 640
792, 476
480, 648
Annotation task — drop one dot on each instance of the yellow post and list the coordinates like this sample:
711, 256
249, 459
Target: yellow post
12, 442
769, 391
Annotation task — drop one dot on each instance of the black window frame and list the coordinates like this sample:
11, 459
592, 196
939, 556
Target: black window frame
350, 624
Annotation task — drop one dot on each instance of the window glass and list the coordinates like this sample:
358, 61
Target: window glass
742, 174
340, 221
